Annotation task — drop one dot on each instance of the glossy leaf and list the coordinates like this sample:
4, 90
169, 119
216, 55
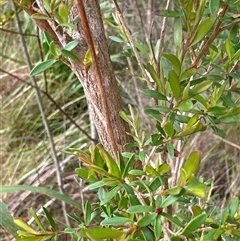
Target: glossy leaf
154, 76
234, 206
50, 219
203, 29
154, 94
110, 195
70, 55
128, 166
217, 110
25, 226
190, 167
203, 86
111, 163
39, 68
186, 74
169, 201
87, 213
176, 64
63, 12
147, 219
214, 6
185, 106
40, 16
116, 221
71, 45
116, 39
140, 209
229, 48
100, 233
174, 84
168, 128
194, 224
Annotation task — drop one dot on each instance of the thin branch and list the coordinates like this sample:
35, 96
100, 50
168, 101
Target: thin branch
42, 111
54, 102
14, 32
89, 40
130, 39
216, 32
162, 37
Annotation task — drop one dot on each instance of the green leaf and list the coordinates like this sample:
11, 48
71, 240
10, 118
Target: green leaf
186, 74
214, 6
176, 64
47, 191
101, 233
229, 48
140, 209
111, 163
217, 110
142, 48
110, 195
158, 227
6, 220
163, 168
84, 174
197, 189
198, 126
169, 201
174, 84
194, 224
170, 149
50, 219
116, 221
70, 55
53, 49
168, 128
116, 39
154, 76
203, 29
186, 106
25, 226
173, 219
71, 45
147, 219
40, 16
37, 220
87, 213
154, 94
178, 32
234, 206
39, 68
189, 168
63, 12
203, 86
128, 166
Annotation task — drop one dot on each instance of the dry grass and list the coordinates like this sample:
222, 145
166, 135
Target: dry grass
24, 147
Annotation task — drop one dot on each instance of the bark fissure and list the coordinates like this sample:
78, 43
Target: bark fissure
111, 128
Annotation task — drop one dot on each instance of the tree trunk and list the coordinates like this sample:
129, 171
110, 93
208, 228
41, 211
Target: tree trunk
98, 81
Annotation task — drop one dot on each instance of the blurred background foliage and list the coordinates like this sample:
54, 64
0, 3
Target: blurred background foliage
24, 147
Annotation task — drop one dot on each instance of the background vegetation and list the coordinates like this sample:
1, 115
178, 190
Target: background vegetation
25, 148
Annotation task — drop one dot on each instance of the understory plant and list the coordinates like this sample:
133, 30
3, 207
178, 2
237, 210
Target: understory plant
151, 190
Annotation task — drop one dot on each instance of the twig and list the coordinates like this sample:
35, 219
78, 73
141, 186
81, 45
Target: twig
89, 40
162, 36
44, 118
130, 39
216, 32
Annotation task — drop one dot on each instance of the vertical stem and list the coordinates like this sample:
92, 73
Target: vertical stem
44, 118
